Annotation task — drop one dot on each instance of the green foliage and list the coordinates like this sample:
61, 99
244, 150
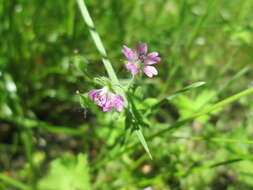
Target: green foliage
85, 102
188, 107
67, 173
198, 133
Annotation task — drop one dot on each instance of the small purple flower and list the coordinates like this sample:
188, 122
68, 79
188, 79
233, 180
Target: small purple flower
141, 60
106, 100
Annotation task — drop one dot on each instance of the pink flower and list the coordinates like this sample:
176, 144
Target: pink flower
141, 60
106, 100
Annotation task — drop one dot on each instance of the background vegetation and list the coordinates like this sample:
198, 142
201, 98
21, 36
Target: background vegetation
48, 141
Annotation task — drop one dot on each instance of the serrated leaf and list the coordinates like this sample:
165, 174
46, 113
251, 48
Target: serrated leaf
67, 173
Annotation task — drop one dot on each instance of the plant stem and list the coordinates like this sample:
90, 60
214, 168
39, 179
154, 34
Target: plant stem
100, 47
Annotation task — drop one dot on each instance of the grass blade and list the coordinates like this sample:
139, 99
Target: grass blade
205, 167
206, 111
214, 139
201, 21
32, 123
13, 182
172, 96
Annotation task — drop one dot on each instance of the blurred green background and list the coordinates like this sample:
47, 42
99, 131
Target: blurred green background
49, 142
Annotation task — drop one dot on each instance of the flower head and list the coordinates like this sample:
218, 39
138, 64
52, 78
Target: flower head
106, 100
140, 59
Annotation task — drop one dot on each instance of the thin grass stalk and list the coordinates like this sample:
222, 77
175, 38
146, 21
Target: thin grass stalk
13, 182
212, 108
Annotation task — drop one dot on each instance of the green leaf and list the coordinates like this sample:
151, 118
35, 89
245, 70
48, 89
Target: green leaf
187, 106
136, 114
67, 173
148, 102
136, 121
172, 96
84, 100
143, 141
187, 88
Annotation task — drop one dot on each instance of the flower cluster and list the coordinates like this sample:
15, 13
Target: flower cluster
106, 99
141, 60
137, 60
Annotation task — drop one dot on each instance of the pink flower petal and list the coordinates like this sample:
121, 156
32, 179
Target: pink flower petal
106, 100
131, 66
102, 100
151, 61
93, 94
152, 58
150, 71
141, 48
129, 53
106, 109
107, 103
153, 54
118, 103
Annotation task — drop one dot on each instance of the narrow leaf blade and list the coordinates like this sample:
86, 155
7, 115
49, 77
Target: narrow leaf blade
143, 142
172, 96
